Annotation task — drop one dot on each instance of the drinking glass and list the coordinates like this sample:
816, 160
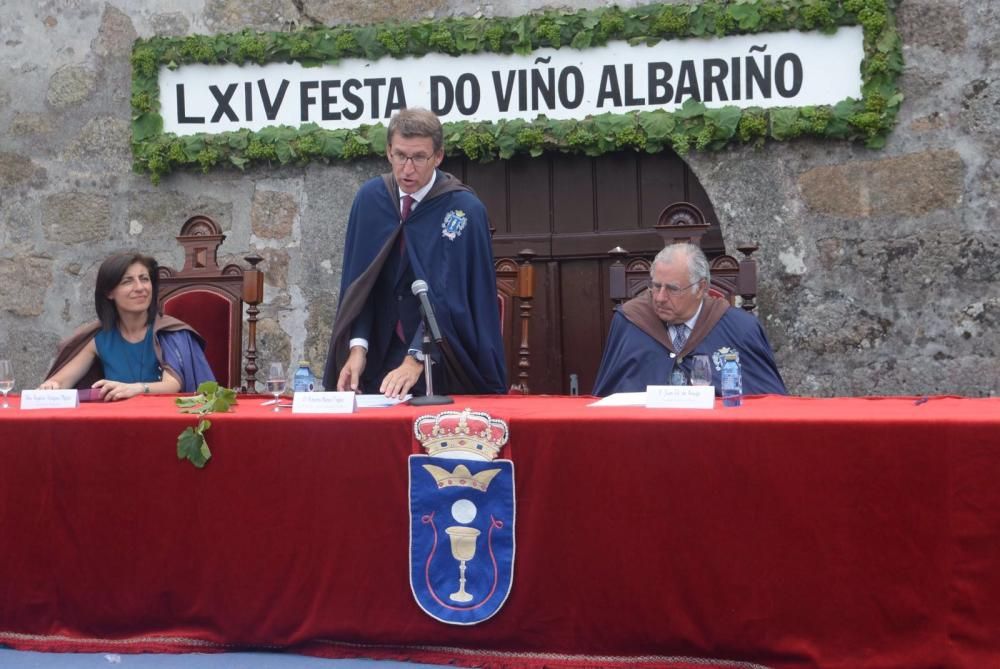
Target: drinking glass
6, 380
276, 381
701, 370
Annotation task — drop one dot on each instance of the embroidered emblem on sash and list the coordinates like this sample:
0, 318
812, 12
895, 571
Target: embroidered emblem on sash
454, 222
461, 517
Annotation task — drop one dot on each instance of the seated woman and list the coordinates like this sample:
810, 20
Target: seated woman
130, 350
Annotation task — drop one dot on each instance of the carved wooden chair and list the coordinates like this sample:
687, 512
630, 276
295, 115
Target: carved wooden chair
679, 223
515, 291
210, 299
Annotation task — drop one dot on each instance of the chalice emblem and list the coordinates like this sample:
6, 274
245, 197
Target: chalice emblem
463, 549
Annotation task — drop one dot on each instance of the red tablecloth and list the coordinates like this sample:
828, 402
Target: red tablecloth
787, 532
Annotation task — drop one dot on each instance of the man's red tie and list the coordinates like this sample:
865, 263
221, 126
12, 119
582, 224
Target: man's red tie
408, 201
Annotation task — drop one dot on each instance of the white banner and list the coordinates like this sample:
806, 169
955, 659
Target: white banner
790, 69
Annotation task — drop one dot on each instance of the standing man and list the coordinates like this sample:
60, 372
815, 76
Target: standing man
416, 222
654, 334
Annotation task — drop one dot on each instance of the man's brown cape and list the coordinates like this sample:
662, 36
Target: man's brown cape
639, 311
69, 347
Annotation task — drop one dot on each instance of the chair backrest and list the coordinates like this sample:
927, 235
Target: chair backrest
210, 299
678, 223
515, 291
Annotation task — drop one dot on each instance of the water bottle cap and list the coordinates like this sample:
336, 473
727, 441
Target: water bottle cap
303, 363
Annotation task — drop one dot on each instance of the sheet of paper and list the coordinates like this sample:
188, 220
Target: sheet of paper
621, 400
376, 401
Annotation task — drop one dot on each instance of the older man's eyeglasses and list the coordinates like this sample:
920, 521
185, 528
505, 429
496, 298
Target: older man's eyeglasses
418, 160
672, 291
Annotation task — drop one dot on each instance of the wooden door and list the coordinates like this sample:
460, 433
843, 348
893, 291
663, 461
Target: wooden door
572, 210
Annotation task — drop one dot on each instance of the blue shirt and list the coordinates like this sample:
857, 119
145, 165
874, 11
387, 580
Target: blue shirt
127, 362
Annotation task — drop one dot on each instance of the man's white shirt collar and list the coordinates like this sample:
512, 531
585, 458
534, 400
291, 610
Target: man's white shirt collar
422, 193
689, 322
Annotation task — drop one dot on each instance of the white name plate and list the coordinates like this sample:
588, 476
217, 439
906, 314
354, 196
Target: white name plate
50, 399
680, 397
325, 402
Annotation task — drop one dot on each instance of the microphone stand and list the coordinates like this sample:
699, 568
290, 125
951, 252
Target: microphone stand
429, 397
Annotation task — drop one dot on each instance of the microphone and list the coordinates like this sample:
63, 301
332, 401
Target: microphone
419, 288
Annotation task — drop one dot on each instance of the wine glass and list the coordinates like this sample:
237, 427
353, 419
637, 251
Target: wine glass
6, 381
276, 381
701, 370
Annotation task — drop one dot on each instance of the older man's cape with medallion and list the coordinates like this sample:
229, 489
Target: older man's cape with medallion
639, 352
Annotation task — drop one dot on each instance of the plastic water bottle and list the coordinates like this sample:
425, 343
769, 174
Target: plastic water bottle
303, 381
731, 380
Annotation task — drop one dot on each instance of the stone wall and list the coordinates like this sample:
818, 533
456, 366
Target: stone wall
877, 267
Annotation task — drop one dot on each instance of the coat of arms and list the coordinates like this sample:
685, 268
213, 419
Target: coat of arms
461, 517
454, 223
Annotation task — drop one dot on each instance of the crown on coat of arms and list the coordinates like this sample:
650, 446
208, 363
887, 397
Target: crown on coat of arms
461, 434
461, 477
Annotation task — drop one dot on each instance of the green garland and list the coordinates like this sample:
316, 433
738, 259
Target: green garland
692, 126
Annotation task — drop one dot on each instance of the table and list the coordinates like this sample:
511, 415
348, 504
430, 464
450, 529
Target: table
787, 532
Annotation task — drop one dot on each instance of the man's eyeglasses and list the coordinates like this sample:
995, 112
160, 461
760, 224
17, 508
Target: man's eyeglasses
400, 159
672, 291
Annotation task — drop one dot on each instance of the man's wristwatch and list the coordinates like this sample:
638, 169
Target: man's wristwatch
145, 389
417, 354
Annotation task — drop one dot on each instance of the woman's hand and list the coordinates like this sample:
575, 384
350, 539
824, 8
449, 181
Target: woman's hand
116, 390
50, 384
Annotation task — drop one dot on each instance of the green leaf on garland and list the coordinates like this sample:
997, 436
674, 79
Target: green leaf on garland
582, 40
691, 108
658, 124
239, 140
747, 16
379, 139
332, 145
609, 124
147, 125
367, 39
506, 142
283, 150
725, 120
784, 123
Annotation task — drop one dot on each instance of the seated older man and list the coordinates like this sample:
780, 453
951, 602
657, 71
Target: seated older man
654, 335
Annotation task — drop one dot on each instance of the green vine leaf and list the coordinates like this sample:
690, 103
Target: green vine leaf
210, 398
691, 109
747, 16
658, 125
147, 125
785, 123
191, 445
725, 119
